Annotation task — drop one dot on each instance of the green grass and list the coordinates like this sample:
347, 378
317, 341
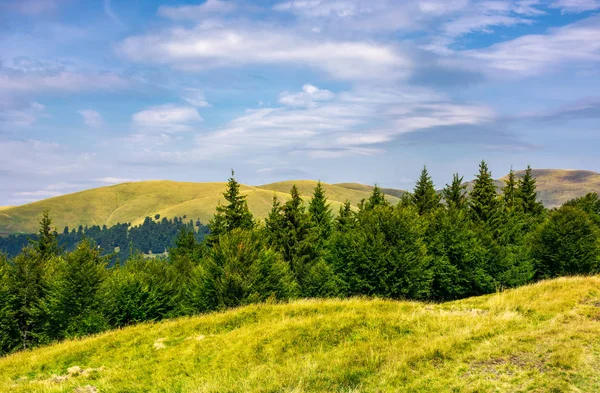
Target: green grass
132, 202
540, 338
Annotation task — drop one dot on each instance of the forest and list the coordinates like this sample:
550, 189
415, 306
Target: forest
430, 246
153, 236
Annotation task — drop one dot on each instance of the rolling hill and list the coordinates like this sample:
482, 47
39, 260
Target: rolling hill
132, 202
538, 338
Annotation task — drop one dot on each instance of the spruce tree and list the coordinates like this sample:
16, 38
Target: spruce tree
455, 194
527, 195
320, 213
509, 191
424, 197
377, 198
345, 217
484, 197
235, 214
47, 243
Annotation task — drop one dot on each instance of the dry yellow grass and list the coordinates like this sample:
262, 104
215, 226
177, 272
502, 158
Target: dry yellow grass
539, 338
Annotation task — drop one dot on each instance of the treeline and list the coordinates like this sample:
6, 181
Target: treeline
427, 247
119, 241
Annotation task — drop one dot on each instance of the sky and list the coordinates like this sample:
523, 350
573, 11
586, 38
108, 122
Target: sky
98, 92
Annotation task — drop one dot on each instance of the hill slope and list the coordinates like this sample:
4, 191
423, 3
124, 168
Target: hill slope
132, 202
538, 338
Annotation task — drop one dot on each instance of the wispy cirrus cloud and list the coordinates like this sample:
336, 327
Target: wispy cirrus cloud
197, 12
575, 45
203, 48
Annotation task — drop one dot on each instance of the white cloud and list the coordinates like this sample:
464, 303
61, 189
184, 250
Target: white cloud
340, 126
576, 44
309, 96
115, 180
193, 12
166, 119
21, 117
195, 97
33, 157
199, 49
574, 6
91, 118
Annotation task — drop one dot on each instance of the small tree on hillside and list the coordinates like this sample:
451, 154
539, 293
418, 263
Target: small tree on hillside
424, 196
345, 217
235, 214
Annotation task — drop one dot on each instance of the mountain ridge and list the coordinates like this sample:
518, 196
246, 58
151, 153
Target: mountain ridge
133, 201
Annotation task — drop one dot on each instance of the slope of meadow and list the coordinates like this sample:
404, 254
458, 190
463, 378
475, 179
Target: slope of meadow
539, 338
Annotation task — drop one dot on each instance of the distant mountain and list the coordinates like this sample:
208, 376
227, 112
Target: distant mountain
132, 202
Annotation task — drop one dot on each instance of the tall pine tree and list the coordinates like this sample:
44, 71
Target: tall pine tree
484, 197
509, 191
320, 213
235, 214
424, 197
527, 194
47, 243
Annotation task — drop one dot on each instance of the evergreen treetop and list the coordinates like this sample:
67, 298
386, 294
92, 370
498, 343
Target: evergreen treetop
455, 193
527, 194
484, 197
235, 214
424, 196
509, 191
320, 212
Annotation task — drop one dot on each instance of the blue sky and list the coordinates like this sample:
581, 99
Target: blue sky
98, 92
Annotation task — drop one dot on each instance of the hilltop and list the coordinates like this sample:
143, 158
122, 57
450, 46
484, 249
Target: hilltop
132, 202
538, 338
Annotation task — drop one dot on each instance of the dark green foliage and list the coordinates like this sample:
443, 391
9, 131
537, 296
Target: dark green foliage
458, 257
455, 194
527, 194
75, 300
377, 198
566, 244
142, 290
590, 203
345, 218
27, 285
319, 213
424, 196
384, 255
241, 268
47, 245
484, 201
509, 191
234, 215
301, 238
9, 332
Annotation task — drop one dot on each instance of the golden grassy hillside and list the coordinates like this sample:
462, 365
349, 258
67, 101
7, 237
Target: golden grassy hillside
132, 202
539, 338
557, 186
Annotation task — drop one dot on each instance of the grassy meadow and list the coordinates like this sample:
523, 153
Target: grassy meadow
538, 338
